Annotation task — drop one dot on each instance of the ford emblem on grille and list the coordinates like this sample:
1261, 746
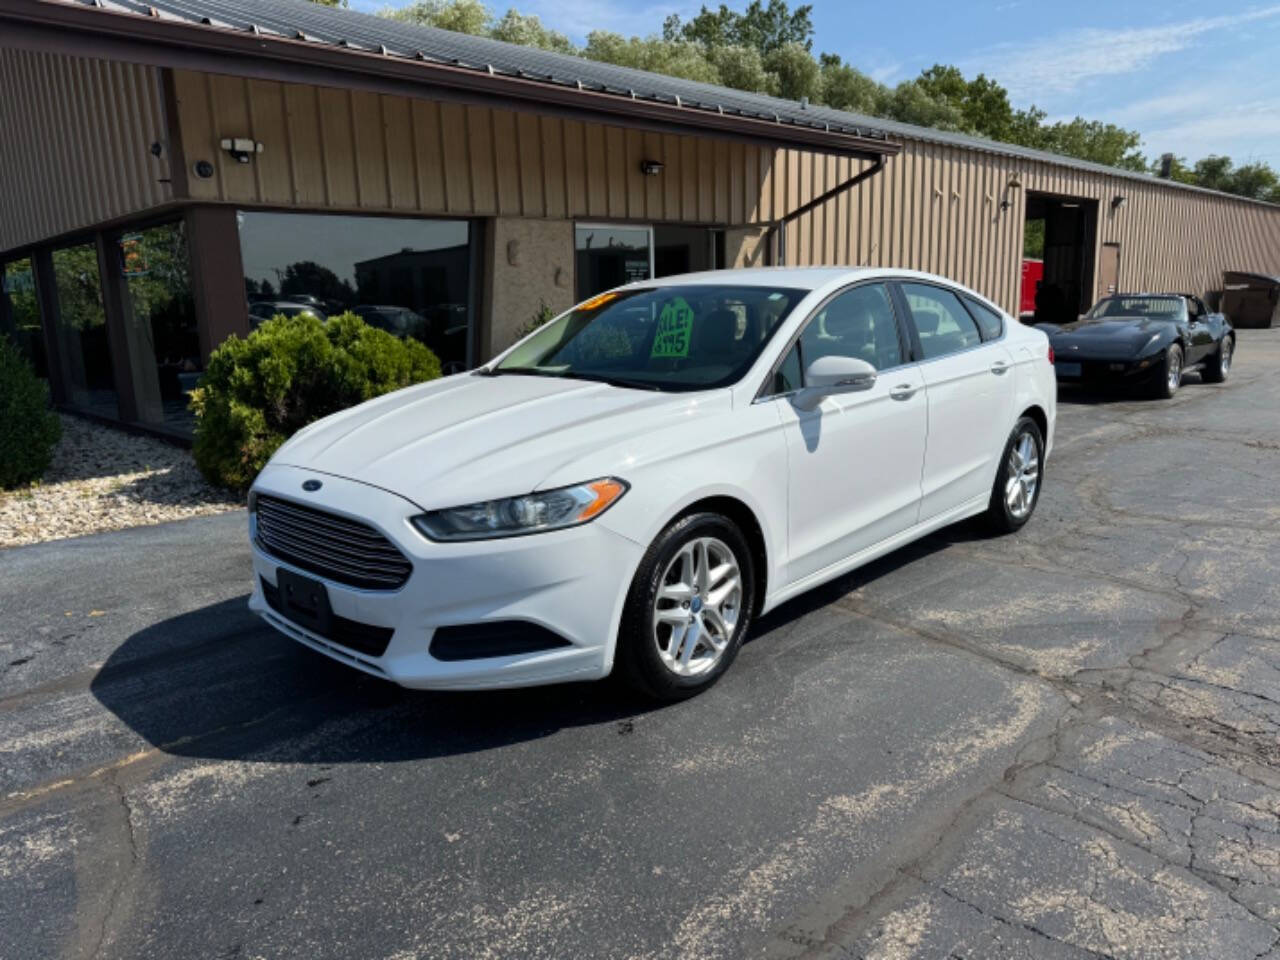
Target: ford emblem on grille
311, 485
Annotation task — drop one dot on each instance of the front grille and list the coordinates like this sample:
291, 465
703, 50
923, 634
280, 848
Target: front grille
362, 637
336, 548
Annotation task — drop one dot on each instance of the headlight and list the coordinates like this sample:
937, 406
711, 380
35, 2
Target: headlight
531, 513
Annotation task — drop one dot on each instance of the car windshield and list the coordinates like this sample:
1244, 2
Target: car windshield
690, 337
1165, 308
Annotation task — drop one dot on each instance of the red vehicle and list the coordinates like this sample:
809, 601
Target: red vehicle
1032, 274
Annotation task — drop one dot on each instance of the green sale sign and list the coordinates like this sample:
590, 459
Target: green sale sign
675, 330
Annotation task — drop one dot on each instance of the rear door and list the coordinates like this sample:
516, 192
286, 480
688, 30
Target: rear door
855, 460
969, 382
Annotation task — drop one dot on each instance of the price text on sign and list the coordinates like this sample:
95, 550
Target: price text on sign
675, 330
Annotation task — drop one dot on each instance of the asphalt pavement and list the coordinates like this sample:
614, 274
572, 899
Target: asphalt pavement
1061, 744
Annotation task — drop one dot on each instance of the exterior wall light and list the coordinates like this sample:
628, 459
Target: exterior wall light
241, 149
651, 168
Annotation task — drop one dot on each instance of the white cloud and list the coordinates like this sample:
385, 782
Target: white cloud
1064, 62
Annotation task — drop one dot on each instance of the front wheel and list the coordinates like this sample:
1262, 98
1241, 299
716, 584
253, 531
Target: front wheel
1017, 487
1216, 370
688, 608
1171, 376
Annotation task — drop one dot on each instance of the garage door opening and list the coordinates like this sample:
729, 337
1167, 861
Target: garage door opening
1060, 232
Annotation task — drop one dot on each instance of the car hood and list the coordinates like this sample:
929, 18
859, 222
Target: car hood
1106, 338
466, 438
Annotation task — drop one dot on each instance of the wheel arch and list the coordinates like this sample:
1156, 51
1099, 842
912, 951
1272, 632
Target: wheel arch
746, 520
1037, 413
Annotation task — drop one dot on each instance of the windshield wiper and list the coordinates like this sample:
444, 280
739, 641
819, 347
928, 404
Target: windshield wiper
573, 375
611, 381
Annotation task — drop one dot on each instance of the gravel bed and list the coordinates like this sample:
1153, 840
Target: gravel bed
106, 479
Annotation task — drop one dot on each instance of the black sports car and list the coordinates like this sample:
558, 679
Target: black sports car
1146, 340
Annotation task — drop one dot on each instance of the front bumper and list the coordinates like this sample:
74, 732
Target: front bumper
1090, 371
571, 582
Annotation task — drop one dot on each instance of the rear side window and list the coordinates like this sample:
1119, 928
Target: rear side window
989, 322
942, 323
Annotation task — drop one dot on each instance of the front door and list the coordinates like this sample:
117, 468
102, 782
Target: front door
1109, 269
971, 393
854, 461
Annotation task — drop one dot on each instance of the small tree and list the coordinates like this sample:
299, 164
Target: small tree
28, 428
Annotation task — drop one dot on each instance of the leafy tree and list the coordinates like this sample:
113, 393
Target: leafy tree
741, 68
760, 27
845, 88
460, 16
528, 31
333, 3
675, 58
796, 75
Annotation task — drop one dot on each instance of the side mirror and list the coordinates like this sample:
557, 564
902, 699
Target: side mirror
828, 376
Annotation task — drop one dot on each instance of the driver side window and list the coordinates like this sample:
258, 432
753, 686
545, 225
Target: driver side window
856, 323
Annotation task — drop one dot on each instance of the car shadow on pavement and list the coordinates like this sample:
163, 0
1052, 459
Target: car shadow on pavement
217, 683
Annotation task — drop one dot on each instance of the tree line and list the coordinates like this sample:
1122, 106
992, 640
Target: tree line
768, 48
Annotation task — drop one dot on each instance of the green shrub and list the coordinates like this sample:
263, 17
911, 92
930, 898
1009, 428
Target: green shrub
259, 391
28, 428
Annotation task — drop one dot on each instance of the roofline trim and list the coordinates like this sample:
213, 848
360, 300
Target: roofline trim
107, 34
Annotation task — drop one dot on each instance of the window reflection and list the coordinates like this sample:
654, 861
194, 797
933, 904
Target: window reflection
411, 278
608, 257
157, 274
81, 330
20, 315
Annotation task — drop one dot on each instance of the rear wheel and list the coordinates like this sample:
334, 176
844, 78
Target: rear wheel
688, 609
1218, 366
1017, 487
1170, 379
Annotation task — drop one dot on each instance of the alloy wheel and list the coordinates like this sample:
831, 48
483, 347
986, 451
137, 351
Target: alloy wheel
1024, 476
1175, 371
1224, 358
697, 607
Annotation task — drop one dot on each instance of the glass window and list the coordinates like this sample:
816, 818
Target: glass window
989, 321
607, 257
857, 323
20, 314
84, 352
790, 375
688, 337
409, 277
157, 274
943, 324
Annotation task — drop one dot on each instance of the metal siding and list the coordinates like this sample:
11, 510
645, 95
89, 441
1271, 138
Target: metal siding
76, 149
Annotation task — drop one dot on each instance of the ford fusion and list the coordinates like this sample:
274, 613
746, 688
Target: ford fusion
630, 485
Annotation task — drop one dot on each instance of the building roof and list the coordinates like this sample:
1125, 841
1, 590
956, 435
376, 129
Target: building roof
313, 23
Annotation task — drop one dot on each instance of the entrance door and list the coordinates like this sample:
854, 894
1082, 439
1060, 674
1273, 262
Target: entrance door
1109, 270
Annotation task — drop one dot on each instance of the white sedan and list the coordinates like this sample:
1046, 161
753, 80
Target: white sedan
630, 485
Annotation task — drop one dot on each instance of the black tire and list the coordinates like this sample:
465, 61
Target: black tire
1166, 385
1000, 516
638, 658
1217, 367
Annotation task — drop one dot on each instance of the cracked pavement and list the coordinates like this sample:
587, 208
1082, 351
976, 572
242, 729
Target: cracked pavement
1062, 744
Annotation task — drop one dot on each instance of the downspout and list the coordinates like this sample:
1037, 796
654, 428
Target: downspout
780, 229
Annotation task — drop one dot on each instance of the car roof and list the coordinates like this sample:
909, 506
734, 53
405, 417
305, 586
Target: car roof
796, 278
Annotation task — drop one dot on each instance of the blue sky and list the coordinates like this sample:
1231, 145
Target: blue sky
1193, 78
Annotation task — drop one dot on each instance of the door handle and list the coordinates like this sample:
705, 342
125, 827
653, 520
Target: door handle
903, 391
999, 367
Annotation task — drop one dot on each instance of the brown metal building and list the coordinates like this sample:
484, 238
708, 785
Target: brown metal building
175, 170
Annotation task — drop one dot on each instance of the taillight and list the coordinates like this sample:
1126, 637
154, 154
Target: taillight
1051, 353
